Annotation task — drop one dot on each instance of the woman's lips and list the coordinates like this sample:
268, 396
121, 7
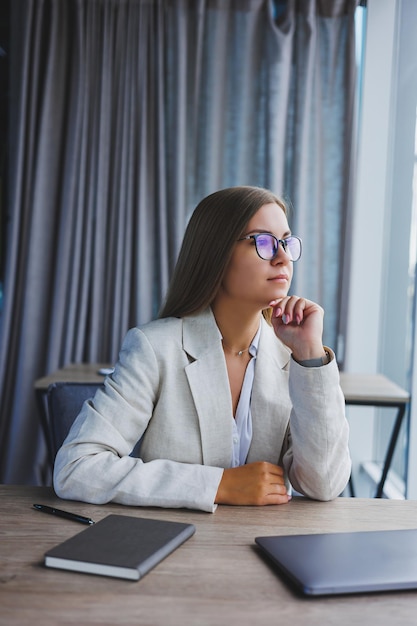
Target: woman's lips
280, 278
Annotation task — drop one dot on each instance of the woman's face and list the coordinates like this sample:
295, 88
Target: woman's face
250, 280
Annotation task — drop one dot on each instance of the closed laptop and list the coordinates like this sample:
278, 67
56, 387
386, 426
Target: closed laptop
340, 563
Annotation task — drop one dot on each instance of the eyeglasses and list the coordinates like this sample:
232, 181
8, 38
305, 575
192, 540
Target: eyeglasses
267, 246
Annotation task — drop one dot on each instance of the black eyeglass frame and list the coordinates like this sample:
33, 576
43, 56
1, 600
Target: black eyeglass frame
283, 242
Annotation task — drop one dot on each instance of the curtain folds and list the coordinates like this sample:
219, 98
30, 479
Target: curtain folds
124, 114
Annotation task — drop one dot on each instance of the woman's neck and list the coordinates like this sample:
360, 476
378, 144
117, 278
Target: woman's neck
237, 328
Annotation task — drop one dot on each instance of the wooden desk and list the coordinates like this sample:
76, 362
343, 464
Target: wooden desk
359, 389
74, 373
215, 578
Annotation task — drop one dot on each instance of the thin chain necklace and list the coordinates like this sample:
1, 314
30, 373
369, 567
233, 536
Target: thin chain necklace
239, 353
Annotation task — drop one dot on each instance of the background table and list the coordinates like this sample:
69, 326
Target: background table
216, 578
359, 389
378, 391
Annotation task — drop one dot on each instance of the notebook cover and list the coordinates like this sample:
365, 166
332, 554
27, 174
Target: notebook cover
120, 546
342, 563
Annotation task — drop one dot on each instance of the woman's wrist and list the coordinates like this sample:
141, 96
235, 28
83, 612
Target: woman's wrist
318, 361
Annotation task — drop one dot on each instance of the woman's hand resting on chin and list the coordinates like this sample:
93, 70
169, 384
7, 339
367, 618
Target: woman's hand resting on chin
298, 323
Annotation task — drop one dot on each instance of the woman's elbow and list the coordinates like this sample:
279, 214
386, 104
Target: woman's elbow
322, 488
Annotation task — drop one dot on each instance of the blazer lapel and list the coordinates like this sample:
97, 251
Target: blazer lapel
208, 380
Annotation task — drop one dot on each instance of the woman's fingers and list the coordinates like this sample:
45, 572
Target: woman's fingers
292, 309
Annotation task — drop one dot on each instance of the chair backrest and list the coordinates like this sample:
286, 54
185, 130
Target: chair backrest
64, 402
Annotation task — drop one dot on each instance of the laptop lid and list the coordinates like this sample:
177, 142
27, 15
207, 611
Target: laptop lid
340, 563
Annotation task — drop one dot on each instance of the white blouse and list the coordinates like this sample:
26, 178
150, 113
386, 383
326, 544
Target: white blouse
242, 424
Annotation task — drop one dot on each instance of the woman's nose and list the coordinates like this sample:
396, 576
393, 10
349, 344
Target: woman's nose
281, 256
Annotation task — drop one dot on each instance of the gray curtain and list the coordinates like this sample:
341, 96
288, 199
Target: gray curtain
124, 113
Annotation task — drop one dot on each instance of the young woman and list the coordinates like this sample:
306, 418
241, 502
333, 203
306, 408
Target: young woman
231, 393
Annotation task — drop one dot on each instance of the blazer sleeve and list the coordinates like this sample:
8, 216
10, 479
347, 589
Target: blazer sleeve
317, 459
95, 464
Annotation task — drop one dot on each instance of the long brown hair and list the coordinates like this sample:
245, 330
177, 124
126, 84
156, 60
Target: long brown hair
215, 225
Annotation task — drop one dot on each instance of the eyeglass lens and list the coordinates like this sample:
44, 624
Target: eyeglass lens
267, 246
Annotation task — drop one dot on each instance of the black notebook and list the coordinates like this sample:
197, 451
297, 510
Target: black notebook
120, 546
352, 562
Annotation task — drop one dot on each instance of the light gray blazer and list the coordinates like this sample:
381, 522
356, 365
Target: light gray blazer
170, 385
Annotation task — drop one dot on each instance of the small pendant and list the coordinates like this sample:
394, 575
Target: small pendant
240, 352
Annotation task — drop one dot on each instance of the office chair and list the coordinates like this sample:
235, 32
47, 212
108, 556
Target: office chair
64, 401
